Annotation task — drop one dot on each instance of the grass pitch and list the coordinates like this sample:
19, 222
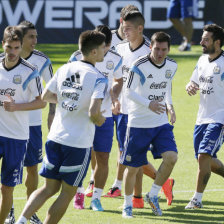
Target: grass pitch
184, 172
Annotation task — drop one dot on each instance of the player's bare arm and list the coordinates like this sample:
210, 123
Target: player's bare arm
10, 105
48, 96
115, 92
157, 107
192, 88
172, 113
94, 112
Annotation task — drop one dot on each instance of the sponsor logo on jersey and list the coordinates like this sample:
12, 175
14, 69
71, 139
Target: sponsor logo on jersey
150, 76
207, 91
70, 95
7, 91
125, 69
17, 79
208, 79
69, 107
216, 70
110, 65
161, 85
154, 97
73, 82
168, 74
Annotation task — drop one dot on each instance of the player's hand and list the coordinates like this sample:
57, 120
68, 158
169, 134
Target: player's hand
116, 107
9, 105
157, 107
172, 116
192, 88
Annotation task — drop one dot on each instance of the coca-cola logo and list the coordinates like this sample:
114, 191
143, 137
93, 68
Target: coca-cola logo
161, 85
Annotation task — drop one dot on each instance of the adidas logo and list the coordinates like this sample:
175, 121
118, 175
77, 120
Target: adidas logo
150, 76
74, 78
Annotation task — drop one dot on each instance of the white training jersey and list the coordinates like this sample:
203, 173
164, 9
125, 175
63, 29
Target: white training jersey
75, 84
209, 75
20, 82
116, 39
111, 68
148, 82
129, 56
44, 67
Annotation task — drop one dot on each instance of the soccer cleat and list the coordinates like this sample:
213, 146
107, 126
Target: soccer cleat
89, 190
11, 217
96, 205
113, 192
138, 202
194, 204
79, 201
167, 189
127, 213
154, 203
184, 47
35, 220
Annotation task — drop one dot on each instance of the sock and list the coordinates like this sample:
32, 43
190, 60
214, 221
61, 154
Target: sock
22, 220
97, 192
12, 205
154, 190
81, 190
198, 196
117, 183
128, 201
92, 175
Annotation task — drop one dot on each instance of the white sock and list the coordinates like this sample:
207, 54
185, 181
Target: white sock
154, 190
12, 205
128, 200
198, 196
117, 183
92, 175
81, 190
97, 192
22, 220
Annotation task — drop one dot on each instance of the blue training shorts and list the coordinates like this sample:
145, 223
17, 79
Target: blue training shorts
138, 141
183, 9
208, 138
34, 147
12, 152
65, 163
122, 123
103, 138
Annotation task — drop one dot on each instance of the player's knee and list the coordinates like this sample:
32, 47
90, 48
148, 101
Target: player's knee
170, 157
6, 190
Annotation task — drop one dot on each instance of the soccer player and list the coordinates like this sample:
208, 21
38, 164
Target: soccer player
19, 81
78, 89
181, 13
34, 147
111, 68
208, 77
148, 89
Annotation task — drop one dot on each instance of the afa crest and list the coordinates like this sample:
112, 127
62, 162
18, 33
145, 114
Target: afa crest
17, 79
168, 74
216, 70
110, 65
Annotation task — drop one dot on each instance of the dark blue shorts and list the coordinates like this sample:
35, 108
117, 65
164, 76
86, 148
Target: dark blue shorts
122, 123
65, 163
12, 152
34, 147
103, 138
208, 138
183, 9
138, 141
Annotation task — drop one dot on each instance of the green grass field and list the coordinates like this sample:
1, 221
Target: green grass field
184, 172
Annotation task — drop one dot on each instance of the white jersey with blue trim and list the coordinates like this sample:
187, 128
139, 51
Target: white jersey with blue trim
75, 84
116, 39
129, 56
43, 65
20, 82
209, 75
148, 82
111, 68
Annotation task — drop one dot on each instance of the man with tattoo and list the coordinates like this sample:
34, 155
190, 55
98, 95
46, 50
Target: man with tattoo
208, 77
